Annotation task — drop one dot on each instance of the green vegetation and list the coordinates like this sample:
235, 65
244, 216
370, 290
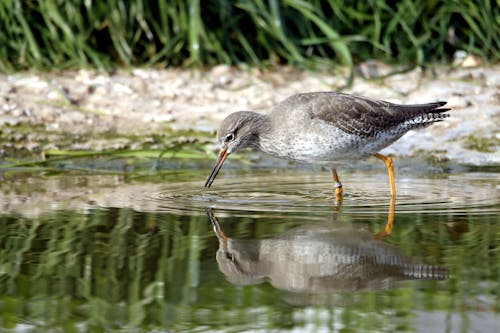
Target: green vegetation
104, 34
117, 269
484, 145
35, 147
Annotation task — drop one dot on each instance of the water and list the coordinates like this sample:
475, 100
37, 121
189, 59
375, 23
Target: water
262, 250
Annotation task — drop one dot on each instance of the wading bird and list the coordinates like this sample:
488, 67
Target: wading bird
327, 128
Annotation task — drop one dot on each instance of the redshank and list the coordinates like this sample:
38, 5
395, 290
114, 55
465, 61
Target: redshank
328, 128
315, 258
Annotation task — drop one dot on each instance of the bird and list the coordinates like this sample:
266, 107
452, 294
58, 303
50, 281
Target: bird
317, 258
332, 129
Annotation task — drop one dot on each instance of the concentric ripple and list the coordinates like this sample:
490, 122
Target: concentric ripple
306, 192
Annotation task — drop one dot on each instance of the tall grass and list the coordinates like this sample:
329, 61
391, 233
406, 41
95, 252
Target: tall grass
103, 34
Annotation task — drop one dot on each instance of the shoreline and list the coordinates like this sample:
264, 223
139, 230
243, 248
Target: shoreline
89, 110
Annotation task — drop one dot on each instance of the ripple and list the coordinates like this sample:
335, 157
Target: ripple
306, 192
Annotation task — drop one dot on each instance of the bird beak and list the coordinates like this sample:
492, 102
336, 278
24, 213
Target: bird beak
223, 154
218, 231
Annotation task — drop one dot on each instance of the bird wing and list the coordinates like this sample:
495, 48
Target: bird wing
364, 116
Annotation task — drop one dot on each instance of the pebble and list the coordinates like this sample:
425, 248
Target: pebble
9, 120
121, 88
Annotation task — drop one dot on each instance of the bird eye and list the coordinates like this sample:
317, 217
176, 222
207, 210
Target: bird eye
229, 256
229, 137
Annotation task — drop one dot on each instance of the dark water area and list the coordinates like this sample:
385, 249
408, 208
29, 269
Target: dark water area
262, 250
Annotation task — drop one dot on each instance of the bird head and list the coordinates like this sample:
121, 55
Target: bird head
239, 130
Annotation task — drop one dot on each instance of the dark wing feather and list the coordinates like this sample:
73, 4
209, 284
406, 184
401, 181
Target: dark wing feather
367, 117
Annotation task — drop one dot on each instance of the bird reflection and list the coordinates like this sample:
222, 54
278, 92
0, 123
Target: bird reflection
319, 257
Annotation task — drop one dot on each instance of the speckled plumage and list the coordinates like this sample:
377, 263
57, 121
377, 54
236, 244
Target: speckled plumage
338, 128
319, 257
324, 127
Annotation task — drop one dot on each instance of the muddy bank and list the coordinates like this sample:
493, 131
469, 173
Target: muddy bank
146, 108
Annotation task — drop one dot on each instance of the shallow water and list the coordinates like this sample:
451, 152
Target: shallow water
262, 250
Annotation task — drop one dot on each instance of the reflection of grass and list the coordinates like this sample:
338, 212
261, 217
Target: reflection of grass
112, 269
484, 145
306, 33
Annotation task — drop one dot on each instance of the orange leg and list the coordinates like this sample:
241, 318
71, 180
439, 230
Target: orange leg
390, 221
338, 184
390, 169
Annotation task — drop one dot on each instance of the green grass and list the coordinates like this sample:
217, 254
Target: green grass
481, 144
105, 34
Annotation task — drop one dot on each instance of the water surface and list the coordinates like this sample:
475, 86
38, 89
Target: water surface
262, 250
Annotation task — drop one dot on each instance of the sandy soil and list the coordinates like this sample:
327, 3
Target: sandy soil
86, 109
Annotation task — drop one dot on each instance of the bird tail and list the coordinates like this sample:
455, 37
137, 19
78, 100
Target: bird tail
422, 271
423, 115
